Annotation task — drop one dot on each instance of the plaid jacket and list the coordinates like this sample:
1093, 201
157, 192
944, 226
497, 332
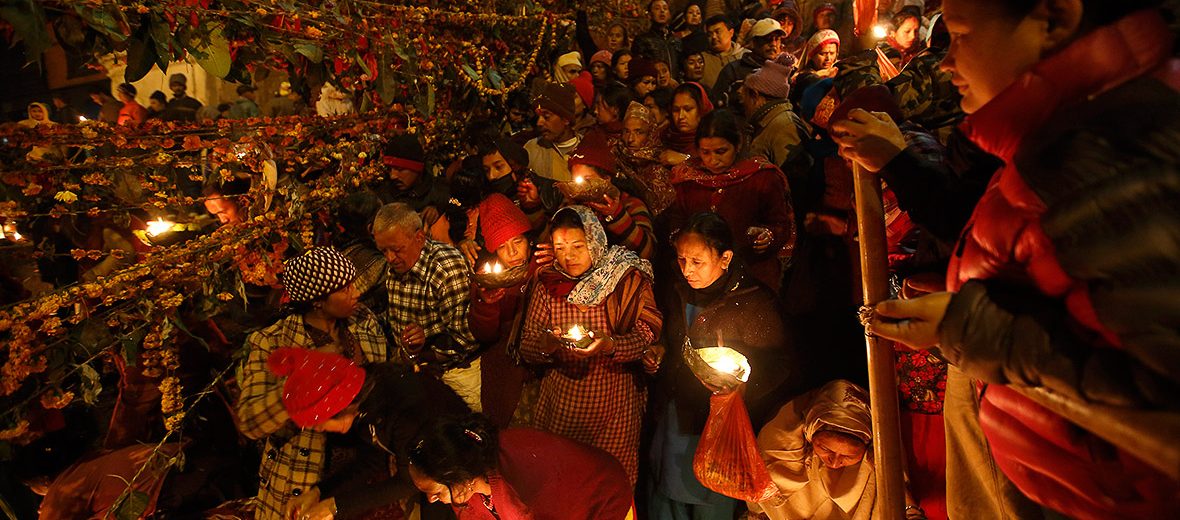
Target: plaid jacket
435, 294
292, 458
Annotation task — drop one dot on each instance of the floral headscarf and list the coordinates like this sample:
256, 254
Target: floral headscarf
817, 42
608, 263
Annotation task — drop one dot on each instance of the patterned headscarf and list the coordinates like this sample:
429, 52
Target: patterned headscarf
817, 42
317, 273
637, 110
608, 263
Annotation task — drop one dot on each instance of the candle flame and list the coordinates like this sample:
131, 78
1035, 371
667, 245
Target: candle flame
575, 333
579, 179
492, 268
880, 32
159, 226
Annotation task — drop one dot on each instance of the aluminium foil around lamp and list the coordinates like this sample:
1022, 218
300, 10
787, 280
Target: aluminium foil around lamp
717, 367
582, 189
490, 273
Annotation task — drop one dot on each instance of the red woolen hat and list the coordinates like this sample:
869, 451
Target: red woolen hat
594, 151
584, 84
500, 220
319, 385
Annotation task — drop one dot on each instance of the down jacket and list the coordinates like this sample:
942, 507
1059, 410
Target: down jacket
1068, 272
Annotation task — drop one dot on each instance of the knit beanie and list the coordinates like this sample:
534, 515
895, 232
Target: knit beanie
317, 273
404, 151
178, 78
559, 99
584, 85
594, 151
319, 385
500, 220
640, 67
602, 56
774, 78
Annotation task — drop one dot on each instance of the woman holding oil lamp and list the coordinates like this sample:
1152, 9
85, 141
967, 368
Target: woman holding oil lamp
714, 303
591, 316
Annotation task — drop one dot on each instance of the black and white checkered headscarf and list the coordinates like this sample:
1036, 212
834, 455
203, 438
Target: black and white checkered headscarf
316, 273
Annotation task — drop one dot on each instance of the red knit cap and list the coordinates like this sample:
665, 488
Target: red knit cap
319, 385
500, 220
594, 151
584, 84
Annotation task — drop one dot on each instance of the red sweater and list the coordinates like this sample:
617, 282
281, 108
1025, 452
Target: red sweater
546, 476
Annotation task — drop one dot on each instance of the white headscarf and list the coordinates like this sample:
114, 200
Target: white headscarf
569, 58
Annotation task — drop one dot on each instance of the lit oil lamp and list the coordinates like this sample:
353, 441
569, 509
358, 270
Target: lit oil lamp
578, 337
583, 189
159, 227
494, 275
717, 367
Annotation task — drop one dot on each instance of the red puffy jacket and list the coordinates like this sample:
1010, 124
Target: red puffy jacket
1068, 272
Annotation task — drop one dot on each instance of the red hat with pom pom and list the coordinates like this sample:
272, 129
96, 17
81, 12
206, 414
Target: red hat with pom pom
318, 386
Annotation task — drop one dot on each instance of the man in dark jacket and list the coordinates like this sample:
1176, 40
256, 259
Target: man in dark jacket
182, 107
659, 43
777, 133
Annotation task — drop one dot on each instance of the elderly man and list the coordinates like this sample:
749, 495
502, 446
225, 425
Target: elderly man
777, 133
429, 297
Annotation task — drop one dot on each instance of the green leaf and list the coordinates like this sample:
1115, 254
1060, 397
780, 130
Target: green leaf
111, 23
470, 72
213, 54
132, 344
311, 50
141, 57
28, 21
496, 80
91, 384
132, 506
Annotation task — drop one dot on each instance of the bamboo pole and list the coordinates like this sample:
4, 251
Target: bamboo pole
874, 268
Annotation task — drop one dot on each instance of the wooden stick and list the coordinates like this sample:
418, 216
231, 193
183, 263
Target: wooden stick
874, 271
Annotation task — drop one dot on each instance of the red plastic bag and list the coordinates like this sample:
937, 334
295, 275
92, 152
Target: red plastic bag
727, 459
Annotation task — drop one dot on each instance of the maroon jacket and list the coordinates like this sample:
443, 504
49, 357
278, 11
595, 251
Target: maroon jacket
753, 192
1061, 277
544, 476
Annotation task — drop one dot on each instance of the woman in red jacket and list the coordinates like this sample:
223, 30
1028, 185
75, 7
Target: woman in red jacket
750, 193
1061, 278
516, 474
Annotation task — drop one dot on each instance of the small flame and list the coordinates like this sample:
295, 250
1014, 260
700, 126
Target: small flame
159, 226
880, 32
81, 119
579, 180
492, 268
575, 333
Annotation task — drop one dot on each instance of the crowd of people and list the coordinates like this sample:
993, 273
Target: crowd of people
507, 336
123, 108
